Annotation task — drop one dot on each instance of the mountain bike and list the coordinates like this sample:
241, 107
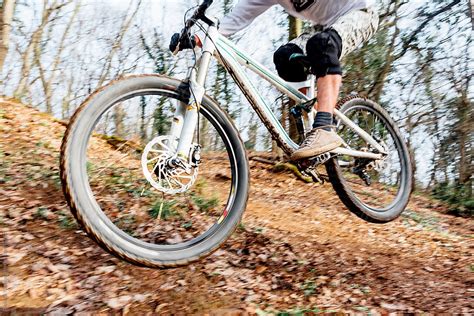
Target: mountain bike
155, 171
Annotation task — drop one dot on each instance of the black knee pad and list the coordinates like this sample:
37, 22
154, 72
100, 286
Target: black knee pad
289, 70
324, 50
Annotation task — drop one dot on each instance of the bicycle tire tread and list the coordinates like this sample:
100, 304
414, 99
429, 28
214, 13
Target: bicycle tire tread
96, 235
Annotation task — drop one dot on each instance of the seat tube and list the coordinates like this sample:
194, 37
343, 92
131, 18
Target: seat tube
311, 94
197, 92
307, 87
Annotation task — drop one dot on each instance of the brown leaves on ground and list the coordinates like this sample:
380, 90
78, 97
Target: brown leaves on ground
298, 249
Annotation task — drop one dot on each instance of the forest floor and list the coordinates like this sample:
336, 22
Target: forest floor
298, 250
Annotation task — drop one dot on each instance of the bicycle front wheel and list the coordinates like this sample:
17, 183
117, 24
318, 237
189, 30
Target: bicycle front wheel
120, 186
375, 190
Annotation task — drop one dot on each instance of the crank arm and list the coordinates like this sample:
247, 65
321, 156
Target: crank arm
356, 153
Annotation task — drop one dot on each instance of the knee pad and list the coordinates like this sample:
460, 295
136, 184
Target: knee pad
324, 50
289, 70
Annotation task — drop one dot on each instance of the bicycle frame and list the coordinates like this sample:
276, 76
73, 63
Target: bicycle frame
234, 61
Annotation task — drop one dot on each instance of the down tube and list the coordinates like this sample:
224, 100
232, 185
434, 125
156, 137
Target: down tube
228, 60
263, 72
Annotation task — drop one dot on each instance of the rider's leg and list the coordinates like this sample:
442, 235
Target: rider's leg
352, 29
326, 48
328, 92
323, 51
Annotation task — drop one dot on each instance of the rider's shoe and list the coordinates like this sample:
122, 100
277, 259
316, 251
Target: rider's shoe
318, 141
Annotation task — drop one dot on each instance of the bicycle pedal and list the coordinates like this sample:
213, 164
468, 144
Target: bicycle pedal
317, 178
321, 159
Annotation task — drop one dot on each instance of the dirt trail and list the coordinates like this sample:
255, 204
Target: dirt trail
298, 249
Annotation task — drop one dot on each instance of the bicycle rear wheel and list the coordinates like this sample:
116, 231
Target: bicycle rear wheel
376, 191
119, 184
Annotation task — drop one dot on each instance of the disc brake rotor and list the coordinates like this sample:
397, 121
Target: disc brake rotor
163, 170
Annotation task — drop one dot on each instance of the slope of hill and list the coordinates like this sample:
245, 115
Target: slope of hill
298, 249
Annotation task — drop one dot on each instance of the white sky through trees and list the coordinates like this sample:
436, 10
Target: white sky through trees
99, 21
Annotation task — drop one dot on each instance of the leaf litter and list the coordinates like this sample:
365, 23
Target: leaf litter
297, 251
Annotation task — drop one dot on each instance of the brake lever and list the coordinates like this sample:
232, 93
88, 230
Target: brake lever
180, 39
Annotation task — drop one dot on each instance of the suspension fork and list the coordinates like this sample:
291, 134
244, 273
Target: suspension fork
186, 115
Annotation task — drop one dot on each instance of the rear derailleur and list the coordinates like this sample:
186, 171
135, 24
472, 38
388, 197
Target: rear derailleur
360, 169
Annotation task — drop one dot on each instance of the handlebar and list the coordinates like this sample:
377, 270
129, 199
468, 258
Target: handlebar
199, 14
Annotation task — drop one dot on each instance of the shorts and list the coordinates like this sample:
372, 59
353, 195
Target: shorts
354, 28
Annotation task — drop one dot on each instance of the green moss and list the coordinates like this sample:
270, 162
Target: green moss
205, 204
66, 221
459, 197
282, 167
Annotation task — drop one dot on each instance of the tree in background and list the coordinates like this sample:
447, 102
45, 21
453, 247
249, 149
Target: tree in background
7, 9
59, 51
435, 94
295, 28
32, 54
162, 61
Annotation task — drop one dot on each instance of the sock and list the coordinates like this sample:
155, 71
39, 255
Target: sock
323, 119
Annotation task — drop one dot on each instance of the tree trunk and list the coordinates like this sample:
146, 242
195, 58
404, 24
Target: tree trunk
119, 117
143, 133
465, 131
6, 17
277, 153
30, 55
294, 30
471, 12
411, 150
295, 27
66, 101
48, 82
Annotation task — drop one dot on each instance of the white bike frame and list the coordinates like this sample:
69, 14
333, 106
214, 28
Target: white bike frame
234, 61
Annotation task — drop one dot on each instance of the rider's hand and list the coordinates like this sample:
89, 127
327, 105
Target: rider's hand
188, 42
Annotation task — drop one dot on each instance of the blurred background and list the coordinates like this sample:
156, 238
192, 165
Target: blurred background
419, 66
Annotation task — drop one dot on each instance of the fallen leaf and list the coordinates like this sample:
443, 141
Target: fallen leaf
119, 302
394, 307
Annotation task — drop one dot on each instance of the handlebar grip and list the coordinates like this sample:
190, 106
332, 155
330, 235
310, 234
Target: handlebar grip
207, 3
201, 11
